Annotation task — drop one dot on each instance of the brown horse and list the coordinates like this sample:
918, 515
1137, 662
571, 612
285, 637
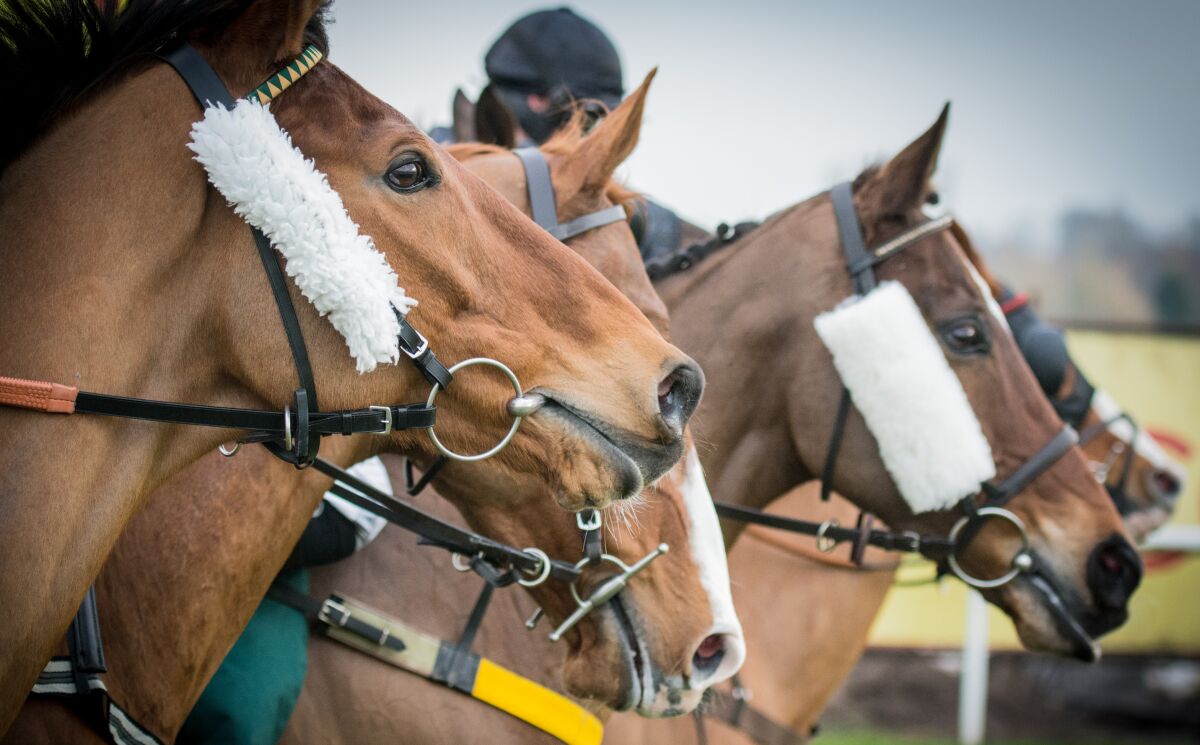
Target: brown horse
191, 320
331, 708
764, 447
793, 671
192, 566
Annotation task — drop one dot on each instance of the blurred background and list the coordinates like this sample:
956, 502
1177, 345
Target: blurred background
1071, 153
1071, 157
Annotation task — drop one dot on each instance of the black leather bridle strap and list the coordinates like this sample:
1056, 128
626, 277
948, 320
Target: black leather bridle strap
930, 547
1043, 459
205, 84
998, 495
543, 203
590, 221
539, 187
208, 89
835, 444
416, 348
436, 532
372, 420
859, 262
739, 714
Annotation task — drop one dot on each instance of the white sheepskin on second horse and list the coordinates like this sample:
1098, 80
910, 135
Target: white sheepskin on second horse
913, 403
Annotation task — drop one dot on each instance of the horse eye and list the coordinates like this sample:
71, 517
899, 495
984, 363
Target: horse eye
966, 336
408, 176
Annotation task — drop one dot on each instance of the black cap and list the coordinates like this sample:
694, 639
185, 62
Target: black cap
552, 52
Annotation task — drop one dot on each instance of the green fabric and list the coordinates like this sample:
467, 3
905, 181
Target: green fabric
251, 696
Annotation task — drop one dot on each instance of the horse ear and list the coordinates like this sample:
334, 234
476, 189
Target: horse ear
494, 123
463, 118
265, 34
609, 143
905, 178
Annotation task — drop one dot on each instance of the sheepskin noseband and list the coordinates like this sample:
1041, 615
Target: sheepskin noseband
913, 403
251, 161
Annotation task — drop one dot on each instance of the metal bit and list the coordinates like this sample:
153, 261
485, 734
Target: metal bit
533, 620
605, 592
525, 405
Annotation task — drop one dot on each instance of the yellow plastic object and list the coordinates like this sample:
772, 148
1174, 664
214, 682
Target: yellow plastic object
539, 706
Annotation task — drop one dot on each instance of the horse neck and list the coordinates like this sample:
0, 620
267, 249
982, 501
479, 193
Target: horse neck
106, 284
214, 536
745, 314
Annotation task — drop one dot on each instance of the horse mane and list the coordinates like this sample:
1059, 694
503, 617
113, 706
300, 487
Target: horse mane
563, 142
54, 54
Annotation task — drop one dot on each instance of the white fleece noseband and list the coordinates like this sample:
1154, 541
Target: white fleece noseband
272, 186
913, 403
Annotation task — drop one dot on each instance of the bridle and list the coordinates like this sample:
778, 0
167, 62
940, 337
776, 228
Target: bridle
294, 434
544, 205
860, 264
1046, 352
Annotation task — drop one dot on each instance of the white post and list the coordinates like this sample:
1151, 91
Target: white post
973, 679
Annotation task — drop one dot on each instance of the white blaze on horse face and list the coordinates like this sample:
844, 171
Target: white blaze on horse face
899, 379
251, 161
988, 299
708, 551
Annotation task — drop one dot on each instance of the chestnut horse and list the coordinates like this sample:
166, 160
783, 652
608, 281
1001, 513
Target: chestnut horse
193, 321
793, 672
331, 708
764, 292
192, 566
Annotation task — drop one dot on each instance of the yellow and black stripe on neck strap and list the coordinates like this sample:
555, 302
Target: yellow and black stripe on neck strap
376, 634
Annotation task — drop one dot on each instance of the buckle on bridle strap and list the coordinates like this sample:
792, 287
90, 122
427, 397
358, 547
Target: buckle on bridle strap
387, 419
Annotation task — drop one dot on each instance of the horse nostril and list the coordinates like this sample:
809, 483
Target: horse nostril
679, 393
1166, 484
709, 654
1114, 572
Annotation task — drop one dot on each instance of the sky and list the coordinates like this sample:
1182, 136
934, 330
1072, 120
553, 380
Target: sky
760, 104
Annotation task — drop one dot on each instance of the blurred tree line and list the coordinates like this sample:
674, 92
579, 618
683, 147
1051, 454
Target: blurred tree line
1107, 268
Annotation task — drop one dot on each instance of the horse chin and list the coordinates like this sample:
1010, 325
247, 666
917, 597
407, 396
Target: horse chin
652, 694
1048, 620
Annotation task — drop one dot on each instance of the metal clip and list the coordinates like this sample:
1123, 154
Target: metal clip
229, 452
607, 589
